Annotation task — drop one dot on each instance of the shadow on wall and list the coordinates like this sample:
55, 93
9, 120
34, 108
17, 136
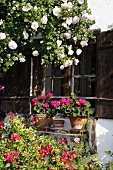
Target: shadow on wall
104, 136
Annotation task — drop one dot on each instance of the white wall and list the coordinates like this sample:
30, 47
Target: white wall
102, 10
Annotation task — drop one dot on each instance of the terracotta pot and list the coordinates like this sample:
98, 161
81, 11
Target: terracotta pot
58, 125
77, 122
43, 121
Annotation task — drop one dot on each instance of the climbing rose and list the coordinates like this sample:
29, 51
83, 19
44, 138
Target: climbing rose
2, 36
56, 11
34, 25
12, 45
44, 19
35, 53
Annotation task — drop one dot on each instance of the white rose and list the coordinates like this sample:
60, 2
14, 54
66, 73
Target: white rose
70, 5
70, 52
26, 8
69, 21
35, 8
65, 5
80, 2
85, 16
12, 45
44, 19
78, 51
26, 35
75, 38
61, 67
76, 61
64, 24
84, 43
64, 1
59, 42
68, 63
75, 19
34, 25
56, 11
1, 22
67, 35
62, 55
22, 60
2, 36
35, 53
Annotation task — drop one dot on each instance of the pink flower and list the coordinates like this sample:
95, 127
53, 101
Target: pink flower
55, 103
65, 101
43, 97
81, 102
76, 140
15, 137
34, 102
45, 105
49, 95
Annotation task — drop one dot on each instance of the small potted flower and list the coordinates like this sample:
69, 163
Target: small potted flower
77, 109
44, 108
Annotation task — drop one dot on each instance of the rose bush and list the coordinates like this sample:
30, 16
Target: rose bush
64, 27
21, 148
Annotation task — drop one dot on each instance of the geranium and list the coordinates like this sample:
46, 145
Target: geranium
45, 105
75, 106
59, 22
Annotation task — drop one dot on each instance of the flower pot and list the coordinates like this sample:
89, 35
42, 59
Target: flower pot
78, 122
57, 125
43, 122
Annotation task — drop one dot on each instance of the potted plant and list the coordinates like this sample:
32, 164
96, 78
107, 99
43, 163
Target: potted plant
77, 109
44, 108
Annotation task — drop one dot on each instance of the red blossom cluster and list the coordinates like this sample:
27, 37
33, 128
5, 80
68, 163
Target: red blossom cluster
81, 102
66, 156
44, 150
15, 137
62, 141
12, 115
1, 124
11, 156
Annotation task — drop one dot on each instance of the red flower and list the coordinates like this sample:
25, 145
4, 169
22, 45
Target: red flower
49, 95
81, 102
65, 101
55, 103
15, 136
43, 97
34, 102
1, 124
45, 105
11, 156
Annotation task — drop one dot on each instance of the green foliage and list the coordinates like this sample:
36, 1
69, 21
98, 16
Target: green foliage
64, 28
21, 148
75, 106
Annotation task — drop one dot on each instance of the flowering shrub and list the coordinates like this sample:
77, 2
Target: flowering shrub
64, 26
45, 105
21, 148
75, 106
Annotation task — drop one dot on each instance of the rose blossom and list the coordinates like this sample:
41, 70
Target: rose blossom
76, 61
80, 2
34, 25
67, 35
84, 43
26, 35
26, 8
68, 63
2, 36
35, 53
61, 67
69, 21
44, 19
59, 42
85, 15
22, 60
12, 45
56, 11
78, 51
70, 52
75, 19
